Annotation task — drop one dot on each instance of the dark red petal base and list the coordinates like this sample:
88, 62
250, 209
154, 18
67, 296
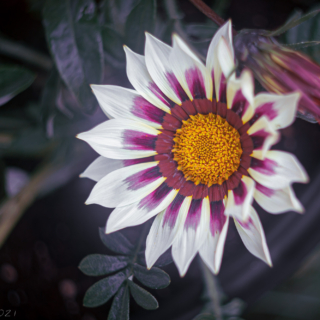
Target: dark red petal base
164, 143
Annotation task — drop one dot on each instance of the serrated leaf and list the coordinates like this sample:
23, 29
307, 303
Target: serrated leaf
204, 316
296, 20
141, 19
13, 80
116, 242
75, 42
201, 31
104, 289
142, 297
99, 265
120, 305
154, 278
113, 47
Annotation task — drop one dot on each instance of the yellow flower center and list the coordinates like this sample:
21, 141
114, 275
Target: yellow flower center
207, 149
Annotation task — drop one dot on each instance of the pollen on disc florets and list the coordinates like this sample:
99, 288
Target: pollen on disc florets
207, 149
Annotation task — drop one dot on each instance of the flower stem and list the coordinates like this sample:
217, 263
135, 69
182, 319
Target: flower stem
210, 13
211, 286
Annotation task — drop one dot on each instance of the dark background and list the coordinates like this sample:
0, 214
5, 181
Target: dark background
39, 277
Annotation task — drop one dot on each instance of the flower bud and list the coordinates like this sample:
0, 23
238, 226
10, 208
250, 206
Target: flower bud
281, 70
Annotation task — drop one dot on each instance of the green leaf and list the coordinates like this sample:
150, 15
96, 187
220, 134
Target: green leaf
205, 316
234, 308
104, 289
142, 297
113, 47
164, 259
154, 278
99, 265
301, 45
201, 31
141, 19
294, 21
13, 80
309, 31
75, 42
116, 242
120, 305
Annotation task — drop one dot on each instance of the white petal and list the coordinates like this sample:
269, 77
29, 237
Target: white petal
263, 136
225, 57
240, 94
189, 70
190, 238
240, 199
212, 62
126, 185
157, 61
252, 235
165, 227
139, 212
211, 250
279, 109
277, 201
141, 80
115, 139
123, 103
278, 170
101, 167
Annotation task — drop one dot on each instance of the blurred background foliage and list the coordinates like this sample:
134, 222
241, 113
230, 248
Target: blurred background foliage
51, 51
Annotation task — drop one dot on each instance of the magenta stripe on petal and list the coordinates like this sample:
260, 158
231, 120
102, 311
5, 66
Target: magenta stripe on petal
143, 178
160, 95
265, 166
258, 138
240, 104
134, 140
137, 161
176, 86
155, 198
245, 224
223, 89
266, 191
145, 110
195, 83
194, 214
265, 109
217, 216
240, 193
172, 211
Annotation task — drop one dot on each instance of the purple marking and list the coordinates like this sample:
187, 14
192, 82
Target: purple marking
155, 198
145, 110
172, 211
223, 89
258, 138
160, 95
195, 83
137, 161
217, 217
194, 214
265, 166
266, 191
143, 178
214, 88
134, 140
247, 224
265, 109
176, 86
240, 104
240, 193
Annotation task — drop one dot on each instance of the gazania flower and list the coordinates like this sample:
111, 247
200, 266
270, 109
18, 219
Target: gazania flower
191, 146
281, 70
